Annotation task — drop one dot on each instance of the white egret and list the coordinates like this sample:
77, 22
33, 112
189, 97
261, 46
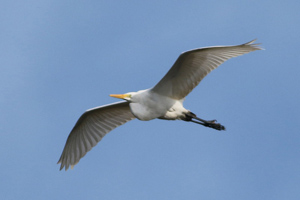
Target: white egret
163, 101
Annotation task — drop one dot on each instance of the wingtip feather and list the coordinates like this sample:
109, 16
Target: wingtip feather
254, 45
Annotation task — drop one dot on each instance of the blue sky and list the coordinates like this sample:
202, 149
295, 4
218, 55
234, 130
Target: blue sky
60, 58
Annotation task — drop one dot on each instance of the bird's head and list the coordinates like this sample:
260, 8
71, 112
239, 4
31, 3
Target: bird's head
128, 96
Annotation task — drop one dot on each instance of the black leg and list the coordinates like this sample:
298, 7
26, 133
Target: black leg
211, 123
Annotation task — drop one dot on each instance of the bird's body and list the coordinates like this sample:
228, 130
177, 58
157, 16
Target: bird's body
144, 106
163, 101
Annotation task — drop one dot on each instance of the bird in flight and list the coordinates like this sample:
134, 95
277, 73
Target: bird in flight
163, 101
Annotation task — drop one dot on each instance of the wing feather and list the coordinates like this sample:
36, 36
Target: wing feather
90, 128
192, 66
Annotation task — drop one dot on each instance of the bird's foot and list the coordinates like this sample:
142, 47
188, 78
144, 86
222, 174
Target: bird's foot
214, 125
208, 123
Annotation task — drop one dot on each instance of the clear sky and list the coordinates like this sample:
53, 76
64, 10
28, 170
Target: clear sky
60, 58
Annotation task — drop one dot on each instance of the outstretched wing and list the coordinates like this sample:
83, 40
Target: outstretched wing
192, 66
90, 128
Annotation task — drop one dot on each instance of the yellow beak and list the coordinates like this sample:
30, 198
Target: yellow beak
119, 96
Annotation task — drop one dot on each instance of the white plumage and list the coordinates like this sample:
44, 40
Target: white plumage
163, 101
